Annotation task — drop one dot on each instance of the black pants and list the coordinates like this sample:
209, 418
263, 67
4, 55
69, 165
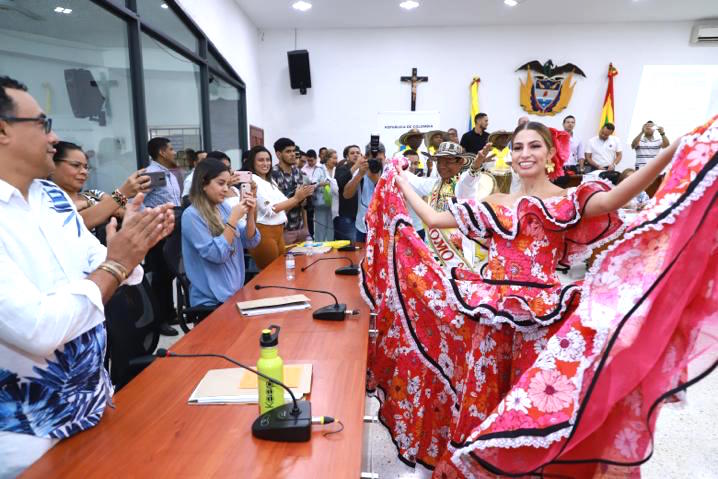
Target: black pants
310, 221
161, 282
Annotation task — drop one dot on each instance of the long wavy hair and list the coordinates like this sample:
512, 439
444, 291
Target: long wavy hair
204, 172
249, 164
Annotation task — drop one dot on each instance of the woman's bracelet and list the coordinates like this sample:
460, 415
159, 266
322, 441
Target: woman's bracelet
119, 198
230, 226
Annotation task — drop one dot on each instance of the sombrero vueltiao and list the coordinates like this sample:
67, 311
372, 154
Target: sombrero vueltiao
451, 149
413, 132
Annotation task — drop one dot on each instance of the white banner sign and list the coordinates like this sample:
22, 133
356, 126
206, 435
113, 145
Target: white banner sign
392, 124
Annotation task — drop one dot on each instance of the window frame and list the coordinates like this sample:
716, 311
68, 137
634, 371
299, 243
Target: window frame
135, 26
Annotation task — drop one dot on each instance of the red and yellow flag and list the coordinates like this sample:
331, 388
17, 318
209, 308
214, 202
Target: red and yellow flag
608, 103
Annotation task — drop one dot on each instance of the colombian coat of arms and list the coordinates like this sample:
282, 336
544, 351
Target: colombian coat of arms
548, 87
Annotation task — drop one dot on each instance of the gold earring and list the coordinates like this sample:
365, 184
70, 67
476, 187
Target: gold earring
550, 166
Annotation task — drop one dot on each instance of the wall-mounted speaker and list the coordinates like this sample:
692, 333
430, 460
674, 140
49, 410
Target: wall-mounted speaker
85, 97
299, 76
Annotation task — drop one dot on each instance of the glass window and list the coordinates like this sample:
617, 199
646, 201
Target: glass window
172, 95
76, 66
224, 118
158, 15
214, 62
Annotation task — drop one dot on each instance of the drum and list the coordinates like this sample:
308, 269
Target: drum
485, 186
503, 180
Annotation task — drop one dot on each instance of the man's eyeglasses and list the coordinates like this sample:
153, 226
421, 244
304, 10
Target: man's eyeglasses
42, 119
77, 165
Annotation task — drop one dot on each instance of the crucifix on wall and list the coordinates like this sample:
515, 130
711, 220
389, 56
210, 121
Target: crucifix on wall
414, 79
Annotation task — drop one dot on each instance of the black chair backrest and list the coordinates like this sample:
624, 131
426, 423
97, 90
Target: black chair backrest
132, 331
172, 249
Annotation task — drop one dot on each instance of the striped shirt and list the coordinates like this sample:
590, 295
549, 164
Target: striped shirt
647, 149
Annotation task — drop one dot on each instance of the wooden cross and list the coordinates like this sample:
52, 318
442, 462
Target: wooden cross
414, 80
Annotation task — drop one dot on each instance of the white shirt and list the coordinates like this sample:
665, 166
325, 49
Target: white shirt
576, 153
268, 195
187, 184
50, 313
603, 153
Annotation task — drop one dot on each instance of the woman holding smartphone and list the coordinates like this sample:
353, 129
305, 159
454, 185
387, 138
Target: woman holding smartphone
271, 206
213, 241
96, 207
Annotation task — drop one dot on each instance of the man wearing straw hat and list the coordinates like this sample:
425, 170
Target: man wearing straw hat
451, 248
412, 140
432, 140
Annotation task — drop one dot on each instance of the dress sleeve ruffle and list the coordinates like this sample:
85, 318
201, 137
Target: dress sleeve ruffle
589, 233
470, 219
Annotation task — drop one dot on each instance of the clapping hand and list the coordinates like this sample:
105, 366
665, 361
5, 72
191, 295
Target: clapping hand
141, 230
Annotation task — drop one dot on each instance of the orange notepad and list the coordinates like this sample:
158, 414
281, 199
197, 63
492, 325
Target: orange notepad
239, 386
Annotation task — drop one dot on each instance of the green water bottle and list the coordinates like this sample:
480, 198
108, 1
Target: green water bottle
270, 364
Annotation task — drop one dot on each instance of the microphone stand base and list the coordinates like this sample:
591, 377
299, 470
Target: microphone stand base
347, 270
279, 425
333, 312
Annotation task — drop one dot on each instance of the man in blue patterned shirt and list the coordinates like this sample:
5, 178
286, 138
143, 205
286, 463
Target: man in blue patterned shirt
55, 277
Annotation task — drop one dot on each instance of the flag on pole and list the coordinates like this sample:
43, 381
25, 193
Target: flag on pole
607, 112
474, 93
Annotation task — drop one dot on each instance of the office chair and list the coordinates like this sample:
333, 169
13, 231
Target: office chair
131, 331
172, 252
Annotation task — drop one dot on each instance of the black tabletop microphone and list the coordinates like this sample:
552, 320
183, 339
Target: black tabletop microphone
291, 422
351, 270
333, 312
349, 247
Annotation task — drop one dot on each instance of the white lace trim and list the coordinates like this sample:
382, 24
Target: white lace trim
466, 227
514, 443
362, 293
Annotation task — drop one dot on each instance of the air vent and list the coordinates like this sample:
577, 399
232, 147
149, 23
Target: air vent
706, 33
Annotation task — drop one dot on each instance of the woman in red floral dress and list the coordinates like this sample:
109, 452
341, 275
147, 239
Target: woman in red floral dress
508, 372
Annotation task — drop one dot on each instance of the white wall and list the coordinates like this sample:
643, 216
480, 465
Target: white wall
236, 37
355, 74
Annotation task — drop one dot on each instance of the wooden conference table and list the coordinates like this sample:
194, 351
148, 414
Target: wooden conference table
153, 432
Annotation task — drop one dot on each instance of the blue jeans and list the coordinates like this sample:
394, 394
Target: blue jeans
344, 228
360, 237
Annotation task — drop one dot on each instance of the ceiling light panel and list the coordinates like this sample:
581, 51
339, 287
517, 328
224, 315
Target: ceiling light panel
302, 6
409, 5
